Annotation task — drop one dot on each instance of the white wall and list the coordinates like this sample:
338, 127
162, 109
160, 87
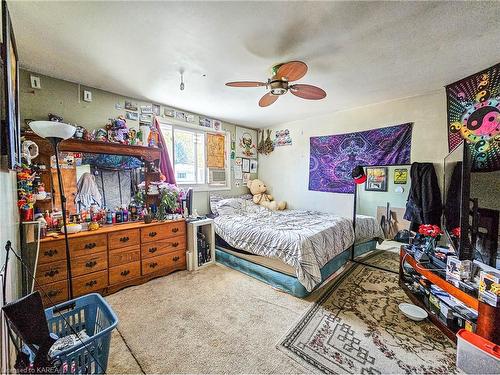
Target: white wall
286, 170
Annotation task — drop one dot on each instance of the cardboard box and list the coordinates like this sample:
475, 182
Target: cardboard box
489, 288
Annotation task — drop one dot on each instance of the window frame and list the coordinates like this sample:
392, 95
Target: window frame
198, 129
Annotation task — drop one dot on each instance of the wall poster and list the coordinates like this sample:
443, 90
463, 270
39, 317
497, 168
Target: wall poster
215, 150
474, 115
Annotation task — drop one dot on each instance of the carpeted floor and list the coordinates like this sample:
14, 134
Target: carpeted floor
215, 320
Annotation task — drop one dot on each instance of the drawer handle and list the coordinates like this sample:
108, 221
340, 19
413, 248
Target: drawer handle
124, 239
125, 273
90, 264
51, 273
152, 249
152, 234
50, 253
153, 265
53, 293
91, 283
175, 259
175, 230
175, 244
90, 245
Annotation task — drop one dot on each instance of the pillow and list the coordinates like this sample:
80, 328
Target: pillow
230, 206
216, 198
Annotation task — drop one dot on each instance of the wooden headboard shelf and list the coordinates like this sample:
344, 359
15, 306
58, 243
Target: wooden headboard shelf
148, 154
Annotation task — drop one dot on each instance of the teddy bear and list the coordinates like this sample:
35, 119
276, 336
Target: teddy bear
258, 190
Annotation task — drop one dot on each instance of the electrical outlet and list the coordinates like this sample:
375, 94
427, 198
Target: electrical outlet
35, 82
87, 96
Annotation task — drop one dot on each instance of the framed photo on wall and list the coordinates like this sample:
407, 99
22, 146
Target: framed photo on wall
376, 179
401, 176
11, 129
245, 166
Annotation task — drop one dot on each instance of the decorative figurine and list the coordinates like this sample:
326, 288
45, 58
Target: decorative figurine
79, 132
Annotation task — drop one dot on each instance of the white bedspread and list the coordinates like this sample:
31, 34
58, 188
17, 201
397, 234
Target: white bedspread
305, 240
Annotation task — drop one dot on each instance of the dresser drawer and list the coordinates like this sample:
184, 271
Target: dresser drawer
162, 231
172, 261
54, 293
125, 255
87, 264
90, 283
163, 247
51, 272
117, 240
124, 272
51, 251
86, 245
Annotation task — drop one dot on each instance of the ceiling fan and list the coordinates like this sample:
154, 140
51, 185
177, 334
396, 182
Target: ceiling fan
279, 83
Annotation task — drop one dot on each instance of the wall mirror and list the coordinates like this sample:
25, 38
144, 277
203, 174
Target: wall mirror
105, 180
379, 206
471, 208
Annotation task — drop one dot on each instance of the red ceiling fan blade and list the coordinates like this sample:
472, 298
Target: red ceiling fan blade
267, 99
292, 71
307, 92
246, 84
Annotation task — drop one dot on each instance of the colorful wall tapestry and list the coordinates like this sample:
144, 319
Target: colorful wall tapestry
333, 157
474, 115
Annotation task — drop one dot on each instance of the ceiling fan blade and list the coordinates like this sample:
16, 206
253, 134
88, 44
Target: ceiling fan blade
292, 71
246, 84
267, 99
307, 91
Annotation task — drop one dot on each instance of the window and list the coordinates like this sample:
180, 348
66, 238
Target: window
186, 148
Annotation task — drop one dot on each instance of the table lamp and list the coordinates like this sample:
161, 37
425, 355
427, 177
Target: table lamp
55, 132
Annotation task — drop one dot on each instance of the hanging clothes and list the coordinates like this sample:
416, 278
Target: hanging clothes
87, 192
424, 205
165, 164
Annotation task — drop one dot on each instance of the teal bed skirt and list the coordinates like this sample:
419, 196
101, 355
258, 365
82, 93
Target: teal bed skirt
287, 283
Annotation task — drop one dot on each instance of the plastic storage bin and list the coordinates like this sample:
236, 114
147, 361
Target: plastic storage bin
476, 355
92, 313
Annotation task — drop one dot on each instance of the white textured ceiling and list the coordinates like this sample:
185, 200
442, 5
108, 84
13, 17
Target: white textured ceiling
359, 52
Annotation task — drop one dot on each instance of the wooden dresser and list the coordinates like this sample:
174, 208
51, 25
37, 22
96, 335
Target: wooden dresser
110, 258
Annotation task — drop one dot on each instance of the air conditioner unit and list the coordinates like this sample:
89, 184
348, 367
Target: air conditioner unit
217, 176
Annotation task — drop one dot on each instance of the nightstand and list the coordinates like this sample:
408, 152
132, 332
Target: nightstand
201, 244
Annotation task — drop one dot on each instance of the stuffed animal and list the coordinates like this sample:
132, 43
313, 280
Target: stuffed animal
258, 190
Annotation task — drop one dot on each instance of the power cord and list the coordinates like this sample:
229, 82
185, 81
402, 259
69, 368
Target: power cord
8, 248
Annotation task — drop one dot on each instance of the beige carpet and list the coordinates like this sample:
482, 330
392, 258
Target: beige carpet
215, 320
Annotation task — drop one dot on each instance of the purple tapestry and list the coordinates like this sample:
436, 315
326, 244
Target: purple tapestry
333, 157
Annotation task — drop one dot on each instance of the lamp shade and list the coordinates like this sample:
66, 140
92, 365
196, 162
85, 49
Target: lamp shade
52, 129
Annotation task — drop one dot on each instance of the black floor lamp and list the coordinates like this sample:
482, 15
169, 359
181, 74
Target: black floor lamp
56, 132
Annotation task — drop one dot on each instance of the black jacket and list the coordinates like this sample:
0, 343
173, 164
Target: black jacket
424, 204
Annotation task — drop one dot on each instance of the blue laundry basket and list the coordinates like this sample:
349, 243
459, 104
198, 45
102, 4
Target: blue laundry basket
93, 314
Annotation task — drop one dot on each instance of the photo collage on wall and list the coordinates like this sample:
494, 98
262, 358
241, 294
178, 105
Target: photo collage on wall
245, 152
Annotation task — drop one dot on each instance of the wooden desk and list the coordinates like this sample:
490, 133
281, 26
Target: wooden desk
488, 321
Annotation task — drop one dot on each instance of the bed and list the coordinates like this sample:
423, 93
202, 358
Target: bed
292, 250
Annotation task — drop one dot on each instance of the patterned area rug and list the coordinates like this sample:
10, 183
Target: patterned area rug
357, 328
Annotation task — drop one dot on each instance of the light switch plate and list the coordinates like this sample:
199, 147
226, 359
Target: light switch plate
87, 96
35, 82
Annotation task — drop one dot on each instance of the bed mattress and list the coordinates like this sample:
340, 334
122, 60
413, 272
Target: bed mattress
303, 240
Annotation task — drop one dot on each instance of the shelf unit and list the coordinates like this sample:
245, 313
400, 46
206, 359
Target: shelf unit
207, 227
488, 316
